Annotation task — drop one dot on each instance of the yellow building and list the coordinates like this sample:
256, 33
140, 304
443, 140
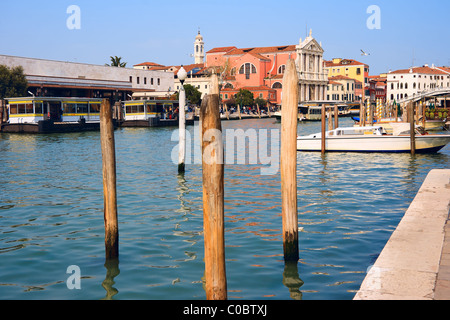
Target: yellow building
352, 69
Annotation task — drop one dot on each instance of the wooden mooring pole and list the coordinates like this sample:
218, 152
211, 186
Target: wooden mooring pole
323, 130
289, 116
336, 117
109, 181
213, 195
412, 127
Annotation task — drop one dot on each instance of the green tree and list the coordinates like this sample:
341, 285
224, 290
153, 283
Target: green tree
192, 94
13, 82
245, 98
117, 62
261, 102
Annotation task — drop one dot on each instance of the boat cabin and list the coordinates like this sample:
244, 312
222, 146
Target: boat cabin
145, 109
35, 109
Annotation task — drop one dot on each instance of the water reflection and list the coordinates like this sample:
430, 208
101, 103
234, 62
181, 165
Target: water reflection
112, 271
292, 281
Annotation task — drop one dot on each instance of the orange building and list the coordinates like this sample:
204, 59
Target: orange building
261, 69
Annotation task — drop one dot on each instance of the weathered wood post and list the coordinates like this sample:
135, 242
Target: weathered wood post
336, 117
1, 113
213, 195
259, 110
424, 113
226, 111
361, 113
370, 113
323, 130
412, 127
330, 120
289, 123
109, 181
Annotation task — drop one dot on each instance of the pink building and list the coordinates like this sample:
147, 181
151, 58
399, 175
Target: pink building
259, 70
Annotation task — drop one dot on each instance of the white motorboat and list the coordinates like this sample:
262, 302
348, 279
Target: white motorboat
374, 139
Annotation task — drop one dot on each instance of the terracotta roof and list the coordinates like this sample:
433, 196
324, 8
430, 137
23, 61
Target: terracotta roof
340, 78
257, 55
334, 82
189, 67
343, 63
422, 70
258, 88
262, 50
221, 49
149, 64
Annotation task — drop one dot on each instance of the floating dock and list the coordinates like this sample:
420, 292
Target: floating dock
415, 263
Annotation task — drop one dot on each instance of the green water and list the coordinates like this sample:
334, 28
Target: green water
51, 217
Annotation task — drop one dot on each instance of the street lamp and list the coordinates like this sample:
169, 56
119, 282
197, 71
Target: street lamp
182, 75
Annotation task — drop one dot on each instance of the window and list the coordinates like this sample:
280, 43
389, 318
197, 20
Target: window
151, 81
131, 79
145, 80
159, 81
281, 69
137, 80
358, 71
13, 109
277, 85
247, 68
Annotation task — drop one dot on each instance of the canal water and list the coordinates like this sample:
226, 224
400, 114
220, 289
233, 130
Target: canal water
51, 218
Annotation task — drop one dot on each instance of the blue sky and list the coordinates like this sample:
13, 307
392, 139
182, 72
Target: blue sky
164, 31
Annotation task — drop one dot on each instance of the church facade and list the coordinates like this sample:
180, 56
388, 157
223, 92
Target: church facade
261, 70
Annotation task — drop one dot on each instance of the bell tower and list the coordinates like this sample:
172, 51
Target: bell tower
199, 49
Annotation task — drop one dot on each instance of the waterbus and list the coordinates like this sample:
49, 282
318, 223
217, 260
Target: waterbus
52, 114
150, 113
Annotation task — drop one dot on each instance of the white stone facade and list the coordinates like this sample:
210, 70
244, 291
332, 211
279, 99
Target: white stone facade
313, 79
407, 83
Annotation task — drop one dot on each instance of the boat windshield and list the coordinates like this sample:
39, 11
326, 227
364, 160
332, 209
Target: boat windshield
357, 131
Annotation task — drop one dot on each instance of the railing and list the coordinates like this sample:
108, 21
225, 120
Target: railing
425, 93
313, 76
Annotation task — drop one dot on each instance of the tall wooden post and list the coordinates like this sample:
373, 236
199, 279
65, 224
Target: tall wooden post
213, 195
323, 130
336, 117
412, 127
1, 113
424, 113
370, 114
362, 114
330, 120
289, 123
109, 181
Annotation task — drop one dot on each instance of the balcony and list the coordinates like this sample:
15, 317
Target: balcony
313, 76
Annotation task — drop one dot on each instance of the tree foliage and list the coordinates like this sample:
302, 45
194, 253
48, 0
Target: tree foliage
192, 94
261, 102
13, 82
117, 62
245, 98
